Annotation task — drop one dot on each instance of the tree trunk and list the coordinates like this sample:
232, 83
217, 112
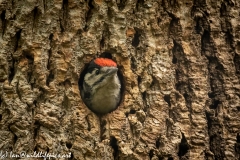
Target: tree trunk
179, 63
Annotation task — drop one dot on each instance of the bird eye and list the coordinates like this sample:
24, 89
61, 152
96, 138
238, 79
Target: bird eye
97, 71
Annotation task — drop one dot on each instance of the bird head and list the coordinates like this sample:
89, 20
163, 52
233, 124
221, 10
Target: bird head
100, 71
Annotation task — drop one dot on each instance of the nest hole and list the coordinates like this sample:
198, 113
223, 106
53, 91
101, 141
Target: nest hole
119, 73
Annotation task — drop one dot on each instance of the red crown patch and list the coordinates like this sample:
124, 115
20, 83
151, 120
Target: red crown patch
105, 62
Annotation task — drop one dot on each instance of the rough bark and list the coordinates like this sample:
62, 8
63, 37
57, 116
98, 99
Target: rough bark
180, 67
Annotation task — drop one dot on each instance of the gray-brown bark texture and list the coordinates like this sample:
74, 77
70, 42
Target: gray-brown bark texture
180, 67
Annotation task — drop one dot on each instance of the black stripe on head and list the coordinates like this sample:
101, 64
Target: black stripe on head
100, 80
86, 90
92, 66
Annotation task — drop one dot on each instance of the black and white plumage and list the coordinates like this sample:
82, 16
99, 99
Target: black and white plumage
101, 86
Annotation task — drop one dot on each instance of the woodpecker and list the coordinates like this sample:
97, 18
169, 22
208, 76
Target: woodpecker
101, 86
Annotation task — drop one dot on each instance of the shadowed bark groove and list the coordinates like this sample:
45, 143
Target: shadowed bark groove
36, 14
114, 145
215, 127
65, 16
3, 21
50, 64
89, 14
237, 64
121, 4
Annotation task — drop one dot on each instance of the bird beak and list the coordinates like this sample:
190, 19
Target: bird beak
112, 70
